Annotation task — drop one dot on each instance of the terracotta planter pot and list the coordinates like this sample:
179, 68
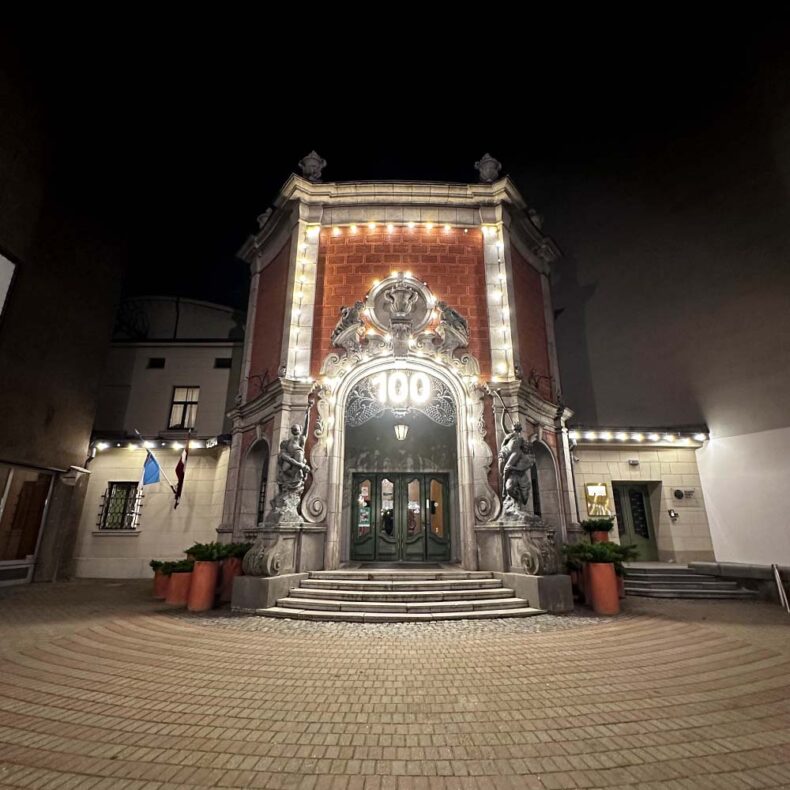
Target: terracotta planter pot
599, 536
231, 568
620, 587
204, 586
603, 588
178, 589
161, 582
584, 584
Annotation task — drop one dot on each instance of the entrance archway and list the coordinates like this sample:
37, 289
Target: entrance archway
330, 497
401, 471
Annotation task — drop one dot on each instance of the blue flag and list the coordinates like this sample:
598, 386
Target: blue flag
150, 470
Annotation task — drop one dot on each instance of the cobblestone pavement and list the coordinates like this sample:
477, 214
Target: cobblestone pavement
101, 687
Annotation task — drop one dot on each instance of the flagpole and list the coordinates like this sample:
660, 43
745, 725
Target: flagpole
161, 468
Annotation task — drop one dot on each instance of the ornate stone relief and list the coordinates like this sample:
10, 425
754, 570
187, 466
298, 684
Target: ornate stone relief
403, 308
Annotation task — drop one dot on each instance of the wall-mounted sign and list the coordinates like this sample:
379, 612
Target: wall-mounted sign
6, 274
598, 501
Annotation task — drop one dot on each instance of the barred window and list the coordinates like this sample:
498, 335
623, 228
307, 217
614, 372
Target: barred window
120, 506
183, 410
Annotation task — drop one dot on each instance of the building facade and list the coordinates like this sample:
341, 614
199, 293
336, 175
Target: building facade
171, 378
60, 278
411, 325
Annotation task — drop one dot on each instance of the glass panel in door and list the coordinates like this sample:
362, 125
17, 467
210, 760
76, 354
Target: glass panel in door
413, 526
388, 538
438, 532
363, 540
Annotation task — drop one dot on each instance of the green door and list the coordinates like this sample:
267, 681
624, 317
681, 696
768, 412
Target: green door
634, 521
400, 518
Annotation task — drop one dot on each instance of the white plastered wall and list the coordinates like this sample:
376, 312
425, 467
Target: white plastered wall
163, 533
745, 479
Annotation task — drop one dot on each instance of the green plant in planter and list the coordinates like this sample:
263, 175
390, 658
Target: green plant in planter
598, 524
182, 566
575, 554
205, 552
238, 550
166, 568
156, 565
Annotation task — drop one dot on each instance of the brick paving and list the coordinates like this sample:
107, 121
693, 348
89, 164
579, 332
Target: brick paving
100, 687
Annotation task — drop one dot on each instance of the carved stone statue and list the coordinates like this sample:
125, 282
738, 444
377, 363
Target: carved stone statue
453, 328
266, 555
516, 460
348, 330
488, 168
311, 166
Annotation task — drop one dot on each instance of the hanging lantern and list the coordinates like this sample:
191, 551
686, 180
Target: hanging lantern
401, 431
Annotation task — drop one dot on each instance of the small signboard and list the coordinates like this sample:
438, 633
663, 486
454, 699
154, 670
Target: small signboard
598, 501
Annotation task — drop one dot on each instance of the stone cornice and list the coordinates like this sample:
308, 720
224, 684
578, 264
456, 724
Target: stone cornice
263, 406
471, 204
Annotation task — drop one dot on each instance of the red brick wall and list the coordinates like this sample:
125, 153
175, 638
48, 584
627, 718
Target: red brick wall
531, 321
269, 317
451, 262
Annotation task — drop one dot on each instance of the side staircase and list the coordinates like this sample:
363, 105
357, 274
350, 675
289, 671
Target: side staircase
400, 596
670, 581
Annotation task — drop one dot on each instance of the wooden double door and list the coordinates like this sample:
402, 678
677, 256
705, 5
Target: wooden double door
400, 517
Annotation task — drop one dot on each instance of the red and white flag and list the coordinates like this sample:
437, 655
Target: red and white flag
181, 467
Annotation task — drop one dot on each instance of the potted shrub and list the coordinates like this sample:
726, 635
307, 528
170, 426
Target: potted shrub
180, 582
601, 577
161, 579
204, 577
231, 568
598, 528
624, 554
575, 557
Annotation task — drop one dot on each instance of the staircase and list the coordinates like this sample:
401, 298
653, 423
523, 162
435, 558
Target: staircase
400, 596
668, 581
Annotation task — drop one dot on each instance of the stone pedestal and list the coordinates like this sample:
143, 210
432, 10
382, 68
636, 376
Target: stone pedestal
252, 593
552, 593
296, 547
523, 546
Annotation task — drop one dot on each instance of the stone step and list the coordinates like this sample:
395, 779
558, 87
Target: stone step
426, 607
390, 575
401, 586
406, 596
396, 617
668, 577
691, 584
659, 592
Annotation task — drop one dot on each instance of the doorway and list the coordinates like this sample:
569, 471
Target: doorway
400, 517
634, 519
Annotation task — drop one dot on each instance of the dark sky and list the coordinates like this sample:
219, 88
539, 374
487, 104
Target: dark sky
176, 136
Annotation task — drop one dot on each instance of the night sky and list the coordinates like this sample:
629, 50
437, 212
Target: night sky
176, 136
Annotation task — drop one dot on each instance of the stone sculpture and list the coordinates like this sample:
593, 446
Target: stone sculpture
488, 168
311, 166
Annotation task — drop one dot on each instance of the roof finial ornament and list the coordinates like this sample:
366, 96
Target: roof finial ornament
311, 166
489, 168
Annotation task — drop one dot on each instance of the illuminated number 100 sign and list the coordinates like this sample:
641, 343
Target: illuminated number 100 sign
396, 388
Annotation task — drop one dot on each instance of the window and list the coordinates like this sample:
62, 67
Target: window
156, 362
121, 506
184, 409
222, 362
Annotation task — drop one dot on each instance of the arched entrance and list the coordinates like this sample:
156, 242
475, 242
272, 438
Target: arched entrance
400, 356
400, 466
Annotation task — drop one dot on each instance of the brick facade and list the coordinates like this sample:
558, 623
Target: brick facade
531, 322
450, 261
267, 334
